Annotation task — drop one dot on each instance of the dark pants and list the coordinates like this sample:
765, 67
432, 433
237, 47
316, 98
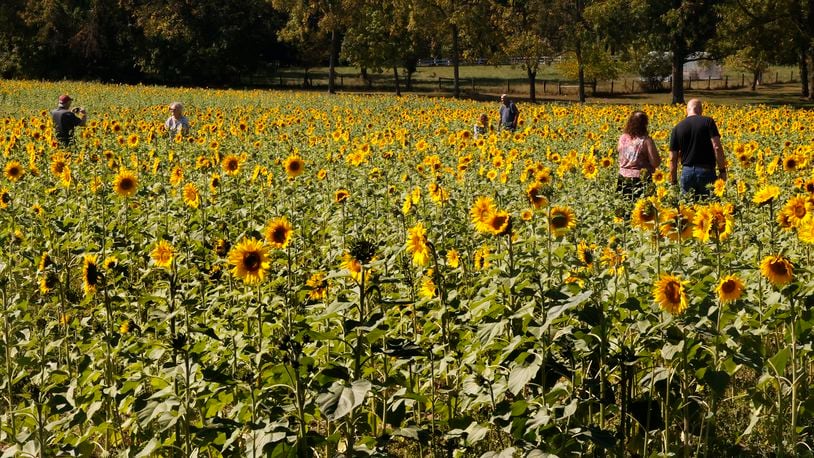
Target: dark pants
632, 188
694, 180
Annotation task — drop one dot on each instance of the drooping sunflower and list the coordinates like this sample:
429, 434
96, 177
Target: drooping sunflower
230, 165
561, 220
481, 258
250, 261
500, 223
214, 183
353, 266
416, 244
669, 294
341, 195
766, 194
535, 195
191, 196
777, 269
645, 214
126, 183
90, 274
481, 213
586, 253
729, 289
318, 285
5, 198
14, 170
278, 233
222, 247
163, 254
713, 222
294, 166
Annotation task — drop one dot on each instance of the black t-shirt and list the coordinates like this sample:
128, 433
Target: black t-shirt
692, 138
65, 121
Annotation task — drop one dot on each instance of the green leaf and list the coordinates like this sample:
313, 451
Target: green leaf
341, 399
779, 360
521, 374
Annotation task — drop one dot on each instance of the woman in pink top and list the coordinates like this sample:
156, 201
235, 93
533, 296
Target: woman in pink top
638, 157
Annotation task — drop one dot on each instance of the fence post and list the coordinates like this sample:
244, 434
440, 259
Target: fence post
559, 87
439, 83
791, 76
545, 82
473, 84
726, 81
776, 76
341, 81
508, 88
743, 80
689, 82
611, 87
593, 89
709, 81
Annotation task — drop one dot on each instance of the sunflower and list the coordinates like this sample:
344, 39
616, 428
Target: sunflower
230, 165
191, 196
805, 230
322, 174
214, 183
766, 194
777, 269
481, 258
45, 262
561, 220
417, 244
586, 253
526, 215
713, 222
790, 163
14, 170
729, 289
645, 214
808, 186
428, 288
341, 195
453, 259
90, 274
535, 195
177, 175
48, 281
132, 141
38, 210
677, 224
222, 247
318, 285
125, 184
278, 233
796, 209
162, 254
719, 188
481, 213
5, 198
500, 223
669, 294
293, 165
353, 266
659, 177
250, 261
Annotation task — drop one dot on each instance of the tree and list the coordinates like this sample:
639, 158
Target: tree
308, 17
529, 26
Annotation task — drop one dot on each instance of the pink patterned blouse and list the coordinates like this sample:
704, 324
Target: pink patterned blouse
633, 156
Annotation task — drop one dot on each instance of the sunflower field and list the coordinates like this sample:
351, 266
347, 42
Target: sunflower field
357, 275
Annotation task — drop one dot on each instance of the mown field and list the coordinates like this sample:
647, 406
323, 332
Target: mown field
313, 275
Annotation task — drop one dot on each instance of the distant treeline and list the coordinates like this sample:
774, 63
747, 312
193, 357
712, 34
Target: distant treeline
223, 41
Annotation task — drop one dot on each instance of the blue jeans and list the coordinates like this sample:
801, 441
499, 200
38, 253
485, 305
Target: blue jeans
694, 180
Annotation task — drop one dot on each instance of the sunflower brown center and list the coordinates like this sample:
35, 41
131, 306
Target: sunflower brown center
92, 275
252, 261
559, 221
278, 234
779, 268
729, 287
126, 184
672, 291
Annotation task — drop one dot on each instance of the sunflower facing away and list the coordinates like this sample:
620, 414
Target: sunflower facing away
669, 294
278, 233
729, 289
250, 261
777, 269
677, 224
162, 254
417, 244
294, 166
125, 184
535, 195
561, 220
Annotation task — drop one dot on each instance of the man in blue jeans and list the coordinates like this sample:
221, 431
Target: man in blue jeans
696, 142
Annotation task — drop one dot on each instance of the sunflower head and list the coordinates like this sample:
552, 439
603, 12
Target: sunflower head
645, 214
341, 196
91, 276
766, 195
669, 294
191, 196
777, 269
481, 213
534, 192
163, 254
126, 183
561, 220
362, 250
249, 260
294, 166
230, 165
417, 244
500, 223
319, 286
278, 233
14, 170
730, 289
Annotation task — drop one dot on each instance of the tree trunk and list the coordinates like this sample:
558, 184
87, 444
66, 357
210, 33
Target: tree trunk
332, 62
678, 75
396, 76
532, 85
580, 71
804, 88
755, 78
366, 77
455, 53
811, 74
409, 82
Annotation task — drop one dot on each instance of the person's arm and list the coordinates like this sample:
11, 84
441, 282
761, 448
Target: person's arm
719, 157
653, 154
674, 167
516, 117
80, 120
185, 126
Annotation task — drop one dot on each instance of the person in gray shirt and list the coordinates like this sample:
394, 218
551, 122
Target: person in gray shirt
508, 114
177, 122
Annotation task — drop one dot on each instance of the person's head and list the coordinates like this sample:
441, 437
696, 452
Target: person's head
64, 101
177, 109
637, 124
694, 107
483, 119
504, 99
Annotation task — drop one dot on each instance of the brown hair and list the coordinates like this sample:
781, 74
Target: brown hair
637, 124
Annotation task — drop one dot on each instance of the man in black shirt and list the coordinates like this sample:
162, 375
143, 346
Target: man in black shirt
66, 120
696, 142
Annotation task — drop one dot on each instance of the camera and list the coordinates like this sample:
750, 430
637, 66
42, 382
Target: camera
78, 110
